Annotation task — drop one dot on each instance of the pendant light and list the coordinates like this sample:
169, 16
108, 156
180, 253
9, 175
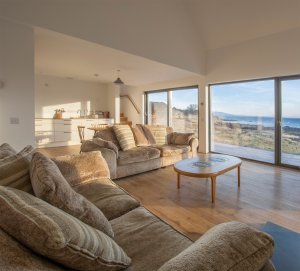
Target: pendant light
119, 81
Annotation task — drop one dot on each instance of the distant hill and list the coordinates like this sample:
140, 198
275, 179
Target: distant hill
222, 114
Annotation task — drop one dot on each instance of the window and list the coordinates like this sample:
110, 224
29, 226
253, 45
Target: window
157, 108
257, 119
243, 119
174, 107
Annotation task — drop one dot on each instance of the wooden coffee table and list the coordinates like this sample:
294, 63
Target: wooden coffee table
208, 166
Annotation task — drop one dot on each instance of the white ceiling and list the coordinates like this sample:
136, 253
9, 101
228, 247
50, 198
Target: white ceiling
65, 56
226, 22
217, 23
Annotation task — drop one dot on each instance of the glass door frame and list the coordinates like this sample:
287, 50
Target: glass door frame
277, 111
279, 131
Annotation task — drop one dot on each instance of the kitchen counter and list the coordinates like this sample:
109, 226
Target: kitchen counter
51, 132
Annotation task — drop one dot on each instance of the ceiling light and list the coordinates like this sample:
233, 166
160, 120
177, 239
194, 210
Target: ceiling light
119, 81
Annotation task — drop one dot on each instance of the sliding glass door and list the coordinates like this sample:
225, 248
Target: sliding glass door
258, 120
177, 108
290, 121
243, 119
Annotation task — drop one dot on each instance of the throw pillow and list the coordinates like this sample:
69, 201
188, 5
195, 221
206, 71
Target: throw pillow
159, 133
14, 170
139, 136
181, 138
124, 136
6, 150
57, 235
50, 185
108, 134
81, 168
230, 246
148, 134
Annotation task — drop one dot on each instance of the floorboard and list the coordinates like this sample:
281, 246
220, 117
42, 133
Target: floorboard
267, 193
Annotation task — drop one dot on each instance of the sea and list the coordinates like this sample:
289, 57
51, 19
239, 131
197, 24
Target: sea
264, 121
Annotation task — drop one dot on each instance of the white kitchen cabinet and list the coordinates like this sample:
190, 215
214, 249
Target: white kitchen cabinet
62, 132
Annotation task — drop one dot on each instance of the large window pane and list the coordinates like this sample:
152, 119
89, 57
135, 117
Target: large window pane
157, 108
243, 119
290, 139
185, 110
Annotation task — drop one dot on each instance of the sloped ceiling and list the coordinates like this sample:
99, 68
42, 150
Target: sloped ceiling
64, 56
176, 33
160, 30
226, 22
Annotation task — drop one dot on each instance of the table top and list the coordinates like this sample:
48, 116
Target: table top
207, 165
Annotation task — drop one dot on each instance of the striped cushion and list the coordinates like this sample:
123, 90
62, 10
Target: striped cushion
125, 137
57, 235
159, 133
14, 170
6, 150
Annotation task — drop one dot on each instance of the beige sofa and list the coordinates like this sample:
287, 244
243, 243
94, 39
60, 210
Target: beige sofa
148, 241
141, 158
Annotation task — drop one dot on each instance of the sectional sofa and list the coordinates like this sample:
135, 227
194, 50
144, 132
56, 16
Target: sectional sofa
42, 226
155, 147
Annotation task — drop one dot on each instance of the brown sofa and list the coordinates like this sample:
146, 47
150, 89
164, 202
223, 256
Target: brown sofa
141, 158
148, 241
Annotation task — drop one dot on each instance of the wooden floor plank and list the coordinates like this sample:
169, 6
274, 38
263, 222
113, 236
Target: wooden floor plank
267, 193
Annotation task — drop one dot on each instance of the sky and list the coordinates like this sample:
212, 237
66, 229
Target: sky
256, 98
181, 99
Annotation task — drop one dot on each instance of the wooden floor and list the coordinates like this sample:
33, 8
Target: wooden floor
267, 193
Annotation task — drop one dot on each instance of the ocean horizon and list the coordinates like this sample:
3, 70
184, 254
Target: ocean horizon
256, 120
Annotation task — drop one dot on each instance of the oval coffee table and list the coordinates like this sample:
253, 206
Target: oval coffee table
208, 166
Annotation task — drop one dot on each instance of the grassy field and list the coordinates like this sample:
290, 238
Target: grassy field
254, 136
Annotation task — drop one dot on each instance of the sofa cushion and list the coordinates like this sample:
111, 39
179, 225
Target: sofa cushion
6, 150
80, 168
139, 136
50, 185
170, 150
15, 257
109, 135
230, 246
137, 154
181, 138
57, 235
124, 136
14, 170
147, 240
107, 196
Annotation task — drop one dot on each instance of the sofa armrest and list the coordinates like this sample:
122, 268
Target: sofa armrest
230, 246
110, 155
194, 142
96, 143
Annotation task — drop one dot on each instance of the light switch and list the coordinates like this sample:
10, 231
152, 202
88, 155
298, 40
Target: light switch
14, 120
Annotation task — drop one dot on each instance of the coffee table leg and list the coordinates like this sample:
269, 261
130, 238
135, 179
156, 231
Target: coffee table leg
178, 180
213, 189
239, 176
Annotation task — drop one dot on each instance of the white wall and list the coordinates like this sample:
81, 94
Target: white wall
54, 92
17, 73
156, 29
274, 55
137, 94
